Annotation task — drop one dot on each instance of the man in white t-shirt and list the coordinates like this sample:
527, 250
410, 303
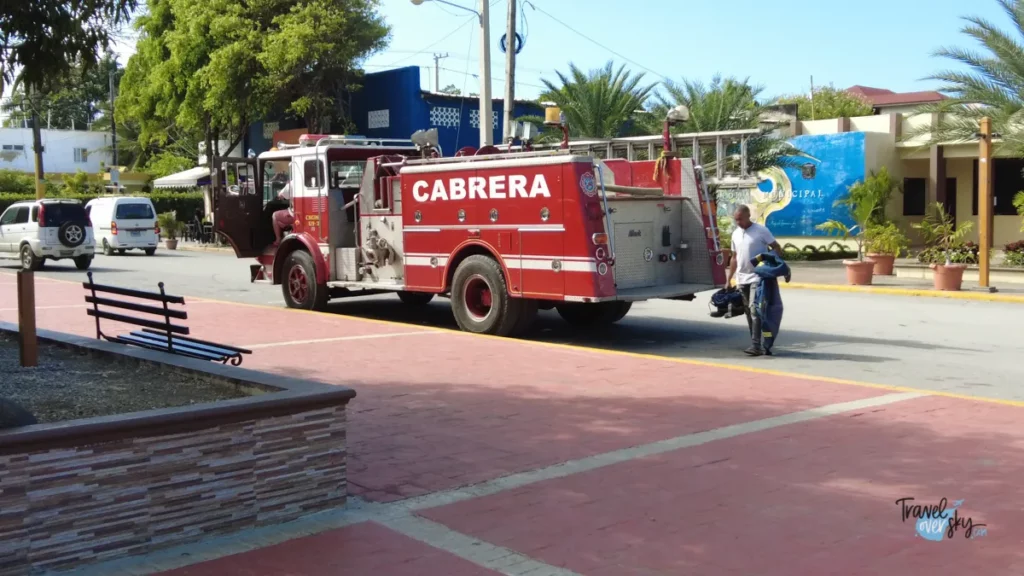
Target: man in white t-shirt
748, 240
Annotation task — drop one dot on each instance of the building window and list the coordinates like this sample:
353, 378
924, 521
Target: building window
914, 195
81, 155
1007, 180
13, 148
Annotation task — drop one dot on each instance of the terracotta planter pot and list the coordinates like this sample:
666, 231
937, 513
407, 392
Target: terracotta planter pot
859, 273
948, 276
171, 244
883, 263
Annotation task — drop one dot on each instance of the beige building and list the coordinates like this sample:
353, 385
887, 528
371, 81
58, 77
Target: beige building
945, 173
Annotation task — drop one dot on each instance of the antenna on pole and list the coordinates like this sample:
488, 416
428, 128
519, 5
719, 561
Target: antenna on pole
437, 70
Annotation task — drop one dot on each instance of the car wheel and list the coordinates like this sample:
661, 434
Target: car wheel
83, 262
107, 250
71, 234
299, 283
150, 251
29, 261
480, 299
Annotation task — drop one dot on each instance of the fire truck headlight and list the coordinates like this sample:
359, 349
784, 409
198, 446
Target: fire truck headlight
602, 268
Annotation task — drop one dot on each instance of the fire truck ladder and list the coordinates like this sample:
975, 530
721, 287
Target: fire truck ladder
728, 170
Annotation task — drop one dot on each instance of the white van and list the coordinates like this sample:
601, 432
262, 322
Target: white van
124, 223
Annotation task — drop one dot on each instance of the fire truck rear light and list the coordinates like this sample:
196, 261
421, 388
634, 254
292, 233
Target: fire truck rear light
663, 258
600, 238
599, 253
602, 268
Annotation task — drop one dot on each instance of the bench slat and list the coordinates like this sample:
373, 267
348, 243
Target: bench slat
159, 311
151, 345
135, 293
180, 342
204, 342
174, 328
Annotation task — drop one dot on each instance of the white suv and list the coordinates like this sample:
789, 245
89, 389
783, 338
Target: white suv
47, 230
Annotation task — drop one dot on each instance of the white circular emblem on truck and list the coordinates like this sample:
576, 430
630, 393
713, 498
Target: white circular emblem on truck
588, 184
648, 254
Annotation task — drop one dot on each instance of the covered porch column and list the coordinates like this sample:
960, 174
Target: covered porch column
937, 180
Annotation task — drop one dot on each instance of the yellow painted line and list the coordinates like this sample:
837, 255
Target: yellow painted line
924, 292
643, 356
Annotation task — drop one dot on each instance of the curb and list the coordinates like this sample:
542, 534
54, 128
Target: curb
219, 249
921, 292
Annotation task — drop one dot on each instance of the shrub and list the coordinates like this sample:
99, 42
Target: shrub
833, 251
1014, 253
885, 239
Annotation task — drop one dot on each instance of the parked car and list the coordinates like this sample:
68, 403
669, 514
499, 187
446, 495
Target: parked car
124, 223
42, 230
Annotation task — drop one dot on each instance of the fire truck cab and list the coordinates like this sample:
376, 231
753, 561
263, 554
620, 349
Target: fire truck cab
501, 234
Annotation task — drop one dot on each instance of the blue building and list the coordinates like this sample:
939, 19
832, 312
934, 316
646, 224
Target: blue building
391, 104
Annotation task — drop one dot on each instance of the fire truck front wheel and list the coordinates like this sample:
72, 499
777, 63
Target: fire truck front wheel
480, 300
299, 283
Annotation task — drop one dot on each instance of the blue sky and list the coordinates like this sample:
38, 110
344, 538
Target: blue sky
779, 45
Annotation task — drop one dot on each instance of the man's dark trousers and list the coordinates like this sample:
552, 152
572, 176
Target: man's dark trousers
753, 320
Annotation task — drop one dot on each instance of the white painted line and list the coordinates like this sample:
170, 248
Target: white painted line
618, 456
400, 516
82, 306
340, 339
481, 553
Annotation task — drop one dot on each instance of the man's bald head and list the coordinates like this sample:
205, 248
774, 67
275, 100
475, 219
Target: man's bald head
742, 216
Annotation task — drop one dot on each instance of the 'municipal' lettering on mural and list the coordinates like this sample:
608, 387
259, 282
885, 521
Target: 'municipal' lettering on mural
477, 187
808, 193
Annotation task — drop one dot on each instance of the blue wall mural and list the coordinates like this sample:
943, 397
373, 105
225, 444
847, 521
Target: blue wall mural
793, 201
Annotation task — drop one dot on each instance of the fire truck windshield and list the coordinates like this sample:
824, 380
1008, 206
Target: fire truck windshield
346, 174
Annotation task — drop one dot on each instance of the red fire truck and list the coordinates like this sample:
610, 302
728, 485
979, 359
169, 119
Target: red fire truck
502, 234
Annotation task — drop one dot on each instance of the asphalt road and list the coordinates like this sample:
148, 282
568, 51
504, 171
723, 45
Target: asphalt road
956, 346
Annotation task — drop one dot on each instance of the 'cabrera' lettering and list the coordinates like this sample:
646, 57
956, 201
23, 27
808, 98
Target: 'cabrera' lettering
476, 187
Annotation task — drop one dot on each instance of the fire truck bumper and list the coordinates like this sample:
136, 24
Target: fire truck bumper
666, 292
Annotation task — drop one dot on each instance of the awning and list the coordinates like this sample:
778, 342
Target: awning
191, 178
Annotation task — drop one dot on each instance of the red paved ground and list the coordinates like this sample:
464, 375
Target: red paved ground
442, 410
813, 498
363, 549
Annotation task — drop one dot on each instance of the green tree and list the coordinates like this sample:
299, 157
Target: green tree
992, 84
724, 104
74, 103
601, 103
208, 69
829, 102
452, 90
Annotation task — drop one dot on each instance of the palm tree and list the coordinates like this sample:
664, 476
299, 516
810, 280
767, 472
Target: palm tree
725, 104
992, 85
601, 103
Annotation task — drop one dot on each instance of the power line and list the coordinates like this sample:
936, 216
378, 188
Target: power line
442, 39
595, 42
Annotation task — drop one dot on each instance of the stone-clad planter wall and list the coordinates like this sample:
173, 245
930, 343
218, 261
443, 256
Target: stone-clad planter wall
77, 492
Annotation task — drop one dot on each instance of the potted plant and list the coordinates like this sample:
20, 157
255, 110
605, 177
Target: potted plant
169, 224
940, 233
861, 202
884, 243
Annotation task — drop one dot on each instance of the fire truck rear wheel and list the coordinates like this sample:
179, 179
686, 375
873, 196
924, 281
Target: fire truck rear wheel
415, 298
480, 300
593, 315
299, 283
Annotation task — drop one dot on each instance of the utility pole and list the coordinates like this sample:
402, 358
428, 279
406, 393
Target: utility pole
113, 125
984, 200
486, 127
510, 70
812, 97
437, 70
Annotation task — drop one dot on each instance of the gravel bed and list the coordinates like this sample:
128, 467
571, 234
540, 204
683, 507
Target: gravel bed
68, 384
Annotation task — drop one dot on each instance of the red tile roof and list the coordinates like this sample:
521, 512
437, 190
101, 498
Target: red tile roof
882, 97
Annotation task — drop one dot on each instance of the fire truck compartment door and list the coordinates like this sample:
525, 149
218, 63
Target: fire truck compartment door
647, 235
238, 205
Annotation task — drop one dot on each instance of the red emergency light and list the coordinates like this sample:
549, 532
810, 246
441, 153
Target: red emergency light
311, 139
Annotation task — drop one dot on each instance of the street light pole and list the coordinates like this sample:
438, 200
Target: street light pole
984, 200
486, 128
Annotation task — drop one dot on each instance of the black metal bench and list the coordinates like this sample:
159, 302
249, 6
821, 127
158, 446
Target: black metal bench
165, 335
